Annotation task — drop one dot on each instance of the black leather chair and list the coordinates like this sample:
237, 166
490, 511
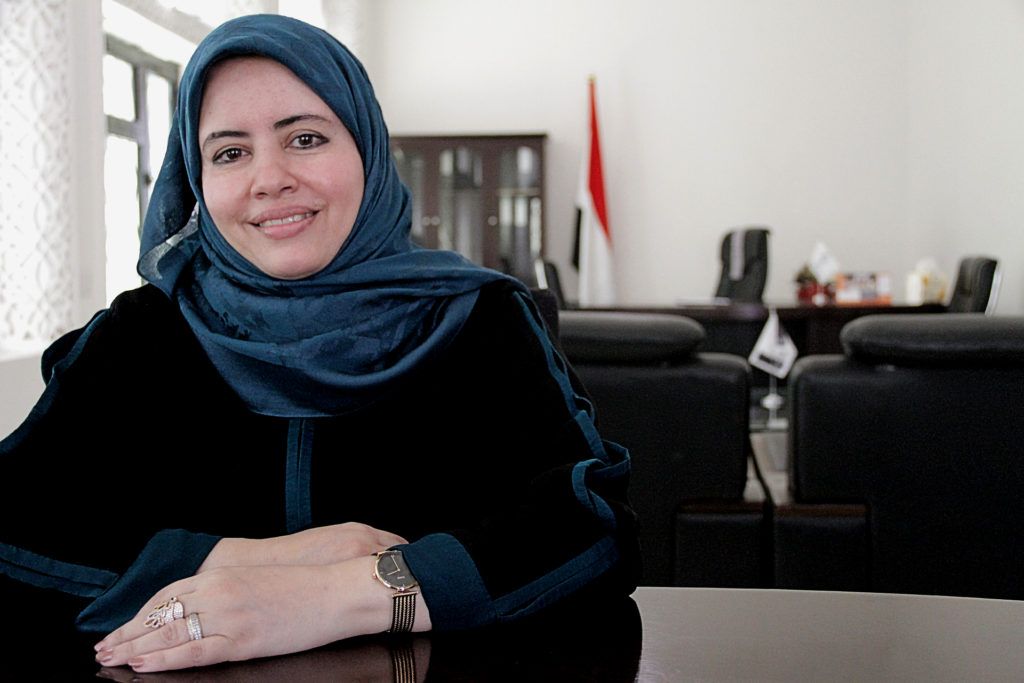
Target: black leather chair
553, 282
685, 418
906, 460
744, 255
976, 286
547, 306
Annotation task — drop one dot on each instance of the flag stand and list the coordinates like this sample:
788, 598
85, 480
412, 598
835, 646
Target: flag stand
772, 401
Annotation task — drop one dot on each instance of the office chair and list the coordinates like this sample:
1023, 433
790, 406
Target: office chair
977, 286
546, 274
744, 265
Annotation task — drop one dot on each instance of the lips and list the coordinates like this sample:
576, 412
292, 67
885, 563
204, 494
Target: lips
283, 223
294, 218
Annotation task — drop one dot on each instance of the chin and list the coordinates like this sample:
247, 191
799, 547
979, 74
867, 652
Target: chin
291, 271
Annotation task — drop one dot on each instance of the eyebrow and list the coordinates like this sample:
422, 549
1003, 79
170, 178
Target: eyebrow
283, 123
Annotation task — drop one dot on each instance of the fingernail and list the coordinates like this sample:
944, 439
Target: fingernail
104, 656
136, 662
98, 646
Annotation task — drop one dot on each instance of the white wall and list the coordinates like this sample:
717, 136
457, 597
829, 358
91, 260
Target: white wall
22, 383
819, 118
967, 134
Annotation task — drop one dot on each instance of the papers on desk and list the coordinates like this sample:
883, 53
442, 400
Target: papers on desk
864, 289
823, 264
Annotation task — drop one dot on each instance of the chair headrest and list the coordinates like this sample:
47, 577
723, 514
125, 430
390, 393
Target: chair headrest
625, 337
935, 339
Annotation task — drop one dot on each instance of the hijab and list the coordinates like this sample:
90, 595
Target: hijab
338, 339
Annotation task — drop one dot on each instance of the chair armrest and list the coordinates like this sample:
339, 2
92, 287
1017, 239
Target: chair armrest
934, 339
613, 337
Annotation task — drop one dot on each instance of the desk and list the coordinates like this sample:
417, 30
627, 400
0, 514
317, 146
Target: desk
733, 328
770, 635
682, 634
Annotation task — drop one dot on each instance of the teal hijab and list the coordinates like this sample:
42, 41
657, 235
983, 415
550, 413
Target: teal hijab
341, 338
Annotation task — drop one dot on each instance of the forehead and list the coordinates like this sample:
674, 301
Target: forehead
240, 86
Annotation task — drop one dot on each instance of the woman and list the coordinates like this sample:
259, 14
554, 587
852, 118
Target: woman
305, 428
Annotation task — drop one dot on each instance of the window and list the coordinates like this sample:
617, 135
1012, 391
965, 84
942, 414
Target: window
138, 97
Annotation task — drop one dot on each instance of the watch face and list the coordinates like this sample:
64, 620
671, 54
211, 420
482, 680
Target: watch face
393, 571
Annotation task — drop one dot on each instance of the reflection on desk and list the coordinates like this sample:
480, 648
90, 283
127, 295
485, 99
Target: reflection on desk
572, 641
667, 634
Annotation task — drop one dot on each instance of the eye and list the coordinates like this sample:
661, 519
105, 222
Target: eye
228, 155
308, 140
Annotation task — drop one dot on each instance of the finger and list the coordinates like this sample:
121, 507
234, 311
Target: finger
171, 634
136, 627
393, 539
376, 535
203, 652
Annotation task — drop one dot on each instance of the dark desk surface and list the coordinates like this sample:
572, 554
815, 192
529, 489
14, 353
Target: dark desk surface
674, 634
759, 311
734, 328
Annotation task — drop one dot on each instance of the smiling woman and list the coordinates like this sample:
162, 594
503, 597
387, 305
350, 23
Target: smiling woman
355, 435
283, 188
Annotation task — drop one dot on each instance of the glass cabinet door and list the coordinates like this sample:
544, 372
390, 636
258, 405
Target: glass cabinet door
481, 196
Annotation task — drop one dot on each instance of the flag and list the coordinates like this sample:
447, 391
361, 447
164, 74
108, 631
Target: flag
594, 239
774, 352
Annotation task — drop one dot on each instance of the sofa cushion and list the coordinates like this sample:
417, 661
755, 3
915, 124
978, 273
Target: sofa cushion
935, 339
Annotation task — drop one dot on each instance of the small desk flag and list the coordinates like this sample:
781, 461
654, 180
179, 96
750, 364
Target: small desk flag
774, 351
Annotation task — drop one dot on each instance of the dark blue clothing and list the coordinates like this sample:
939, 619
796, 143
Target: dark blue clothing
486, 458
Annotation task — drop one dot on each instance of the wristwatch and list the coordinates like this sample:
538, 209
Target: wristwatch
393, 572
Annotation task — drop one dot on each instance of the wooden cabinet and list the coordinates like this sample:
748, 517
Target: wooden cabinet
479, 195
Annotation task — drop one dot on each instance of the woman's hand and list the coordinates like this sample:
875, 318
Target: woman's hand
320, 545
248, 612
264, 597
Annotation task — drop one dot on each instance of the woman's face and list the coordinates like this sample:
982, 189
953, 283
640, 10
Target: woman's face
282, 177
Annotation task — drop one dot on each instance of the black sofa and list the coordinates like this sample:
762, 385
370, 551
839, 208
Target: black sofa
684, 416
906, 460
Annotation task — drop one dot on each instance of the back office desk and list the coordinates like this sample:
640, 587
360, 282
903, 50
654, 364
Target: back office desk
666, 634
734, 327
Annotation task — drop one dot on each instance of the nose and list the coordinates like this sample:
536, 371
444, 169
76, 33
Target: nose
271, 175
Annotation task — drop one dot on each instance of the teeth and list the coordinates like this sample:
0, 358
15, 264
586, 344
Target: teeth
285, 221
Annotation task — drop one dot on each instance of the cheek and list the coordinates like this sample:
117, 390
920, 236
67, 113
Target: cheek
347, 179
218, 199
352, 186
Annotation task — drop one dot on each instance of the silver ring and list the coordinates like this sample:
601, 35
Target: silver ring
164, 612
195, 631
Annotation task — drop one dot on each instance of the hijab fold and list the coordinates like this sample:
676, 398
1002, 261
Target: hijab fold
341, 338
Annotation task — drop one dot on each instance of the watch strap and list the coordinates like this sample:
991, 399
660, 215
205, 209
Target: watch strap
403, 611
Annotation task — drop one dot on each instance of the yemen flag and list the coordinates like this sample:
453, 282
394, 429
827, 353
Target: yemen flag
594, 239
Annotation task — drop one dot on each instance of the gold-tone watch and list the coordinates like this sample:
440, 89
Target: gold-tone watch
393, 572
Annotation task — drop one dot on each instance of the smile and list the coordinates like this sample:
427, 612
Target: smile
285, 221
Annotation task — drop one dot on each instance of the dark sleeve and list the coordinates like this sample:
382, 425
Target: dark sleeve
81, 505
562, 527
